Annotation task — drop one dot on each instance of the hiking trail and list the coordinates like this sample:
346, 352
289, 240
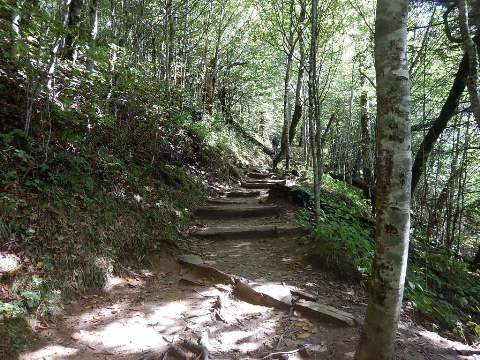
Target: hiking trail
241, 289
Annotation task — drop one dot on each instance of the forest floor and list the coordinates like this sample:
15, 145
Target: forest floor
172, 310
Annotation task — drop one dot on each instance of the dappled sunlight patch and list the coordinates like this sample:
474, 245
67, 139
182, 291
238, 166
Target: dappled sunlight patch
129, 335
240, 340
242, 244
439, 341
51, 352
125, 328
9, 263
112, 282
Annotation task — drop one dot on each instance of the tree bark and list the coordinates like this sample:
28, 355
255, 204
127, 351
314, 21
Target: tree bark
298, 108
73, 24
470, 51
56, 50
15, 29
297, 112
393, 182
312, 105
93, 22
366, 149
476, 260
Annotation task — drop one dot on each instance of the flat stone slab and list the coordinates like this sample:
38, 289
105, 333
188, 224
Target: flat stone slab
230, 201
270, 295
236, 211
266, 181
190, 259
261, 184
325, 313
249, 232
242, 194
304, 295
259, 175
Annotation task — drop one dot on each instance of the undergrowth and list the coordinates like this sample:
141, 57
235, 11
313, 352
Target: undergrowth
441, 288
97, 182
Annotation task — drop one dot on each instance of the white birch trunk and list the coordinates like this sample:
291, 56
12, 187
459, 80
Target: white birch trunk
393, 182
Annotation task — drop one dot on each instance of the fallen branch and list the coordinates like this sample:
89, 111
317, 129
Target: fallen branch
303, 347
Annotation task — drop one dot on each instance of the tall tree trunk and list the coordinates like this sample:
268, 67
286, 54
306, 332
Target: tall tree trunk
93, 22
366, 148
297, 112
393, 182
212, 69
470, 51
312, 105
170, 43
93, 32
73, 24
284, 148
289, 132
56, 48
15, 29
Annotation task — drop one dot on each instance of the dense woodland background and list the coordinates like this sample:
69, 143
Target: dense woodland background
118, 116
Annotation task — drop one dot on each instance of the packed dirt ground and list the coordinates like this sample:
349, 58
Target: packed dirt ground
181, 310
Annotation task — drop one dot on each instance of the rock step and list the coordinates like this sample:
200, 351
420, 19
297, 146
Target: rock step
249, 232
231, 201
238, 211
265, 181
262, 184
259, 175
242, 194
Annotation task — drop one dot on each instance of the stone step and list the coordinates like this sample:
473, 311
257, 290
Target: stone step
243, 194
249, 232
259, 175
265, 181
261, 184
237, 211
231, 201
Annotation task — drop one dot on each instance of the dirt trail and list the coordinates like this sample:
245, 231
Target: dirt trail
151, 314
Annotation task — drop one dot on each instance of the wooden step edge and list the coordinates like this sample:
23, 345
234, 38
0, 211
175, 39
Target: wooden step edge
246, 292
242, 194
325, 313
236, 212
242, 232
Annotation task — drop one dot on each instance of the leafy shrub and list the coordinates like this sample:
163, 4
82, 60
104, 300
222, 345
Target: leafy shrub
346, 241
341, 240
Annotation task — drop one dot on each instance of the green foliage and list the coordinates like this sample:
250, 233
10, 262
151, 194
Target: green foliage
444, 291
342, 239
346, 239
440, 287
15, 335
31, 294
